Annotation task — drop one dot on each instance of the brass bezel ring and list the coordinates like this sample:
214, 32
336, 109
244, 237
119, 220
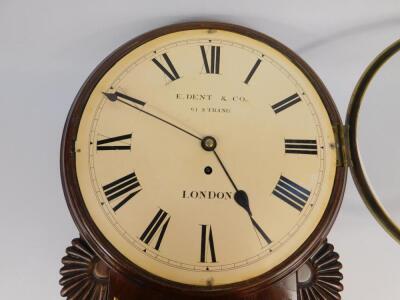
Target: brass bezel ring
359, 174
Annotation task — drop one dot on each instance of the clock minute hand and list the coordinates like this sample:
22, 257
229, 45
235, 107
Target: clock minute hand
117, 96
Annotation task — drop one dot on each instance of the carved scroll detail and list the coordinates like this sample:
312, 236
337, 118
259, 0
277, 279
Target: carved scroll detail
324, 282
84, 275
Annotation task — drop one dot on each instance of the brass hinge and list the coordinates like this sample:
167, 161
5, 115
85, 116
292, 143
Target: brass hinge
342, 145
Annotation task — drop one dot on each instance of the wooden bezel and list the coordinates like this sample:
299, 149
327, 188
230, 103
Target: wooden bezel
111, 256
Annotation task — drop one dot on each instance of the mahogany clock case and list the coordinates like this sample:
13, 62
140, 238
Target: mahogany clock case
113, 258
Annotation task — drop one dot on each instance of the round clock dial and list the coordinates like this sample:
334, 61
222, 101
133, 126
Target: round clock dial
205, 157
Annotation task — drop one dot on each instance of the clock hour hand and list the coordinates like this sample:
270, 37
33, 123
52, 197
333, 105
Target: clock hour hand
242, 199
240, 196
117, 96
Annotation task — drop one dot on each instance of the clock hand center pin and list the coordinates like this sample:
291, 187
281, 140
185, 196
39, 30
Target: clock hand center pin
209, 143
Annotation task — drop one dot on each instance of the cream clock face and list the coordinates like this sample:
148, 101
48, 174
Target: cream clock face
205, 157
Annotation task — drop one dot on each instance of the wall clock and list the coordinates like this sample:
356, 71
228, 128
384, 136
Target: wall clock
203, 160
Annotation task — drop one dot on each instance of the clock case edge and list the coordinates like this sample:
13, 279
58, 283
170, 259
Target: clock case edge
115, 260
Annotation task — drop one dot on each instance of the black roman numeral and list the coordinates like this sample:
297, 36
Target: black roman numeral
252, 71
291, 193
157, 227
171, 73
260, 231
207, 250
127, 186
122, 142
212, 68
301, 147
286, 103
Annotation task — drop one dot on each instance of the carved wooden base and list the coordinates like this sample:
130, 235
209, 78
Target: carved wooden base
85, 276
320, 277
121, 289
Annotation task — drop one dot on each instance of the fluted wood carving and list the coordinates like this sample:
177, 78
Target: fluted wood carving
325, 278
84, 276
